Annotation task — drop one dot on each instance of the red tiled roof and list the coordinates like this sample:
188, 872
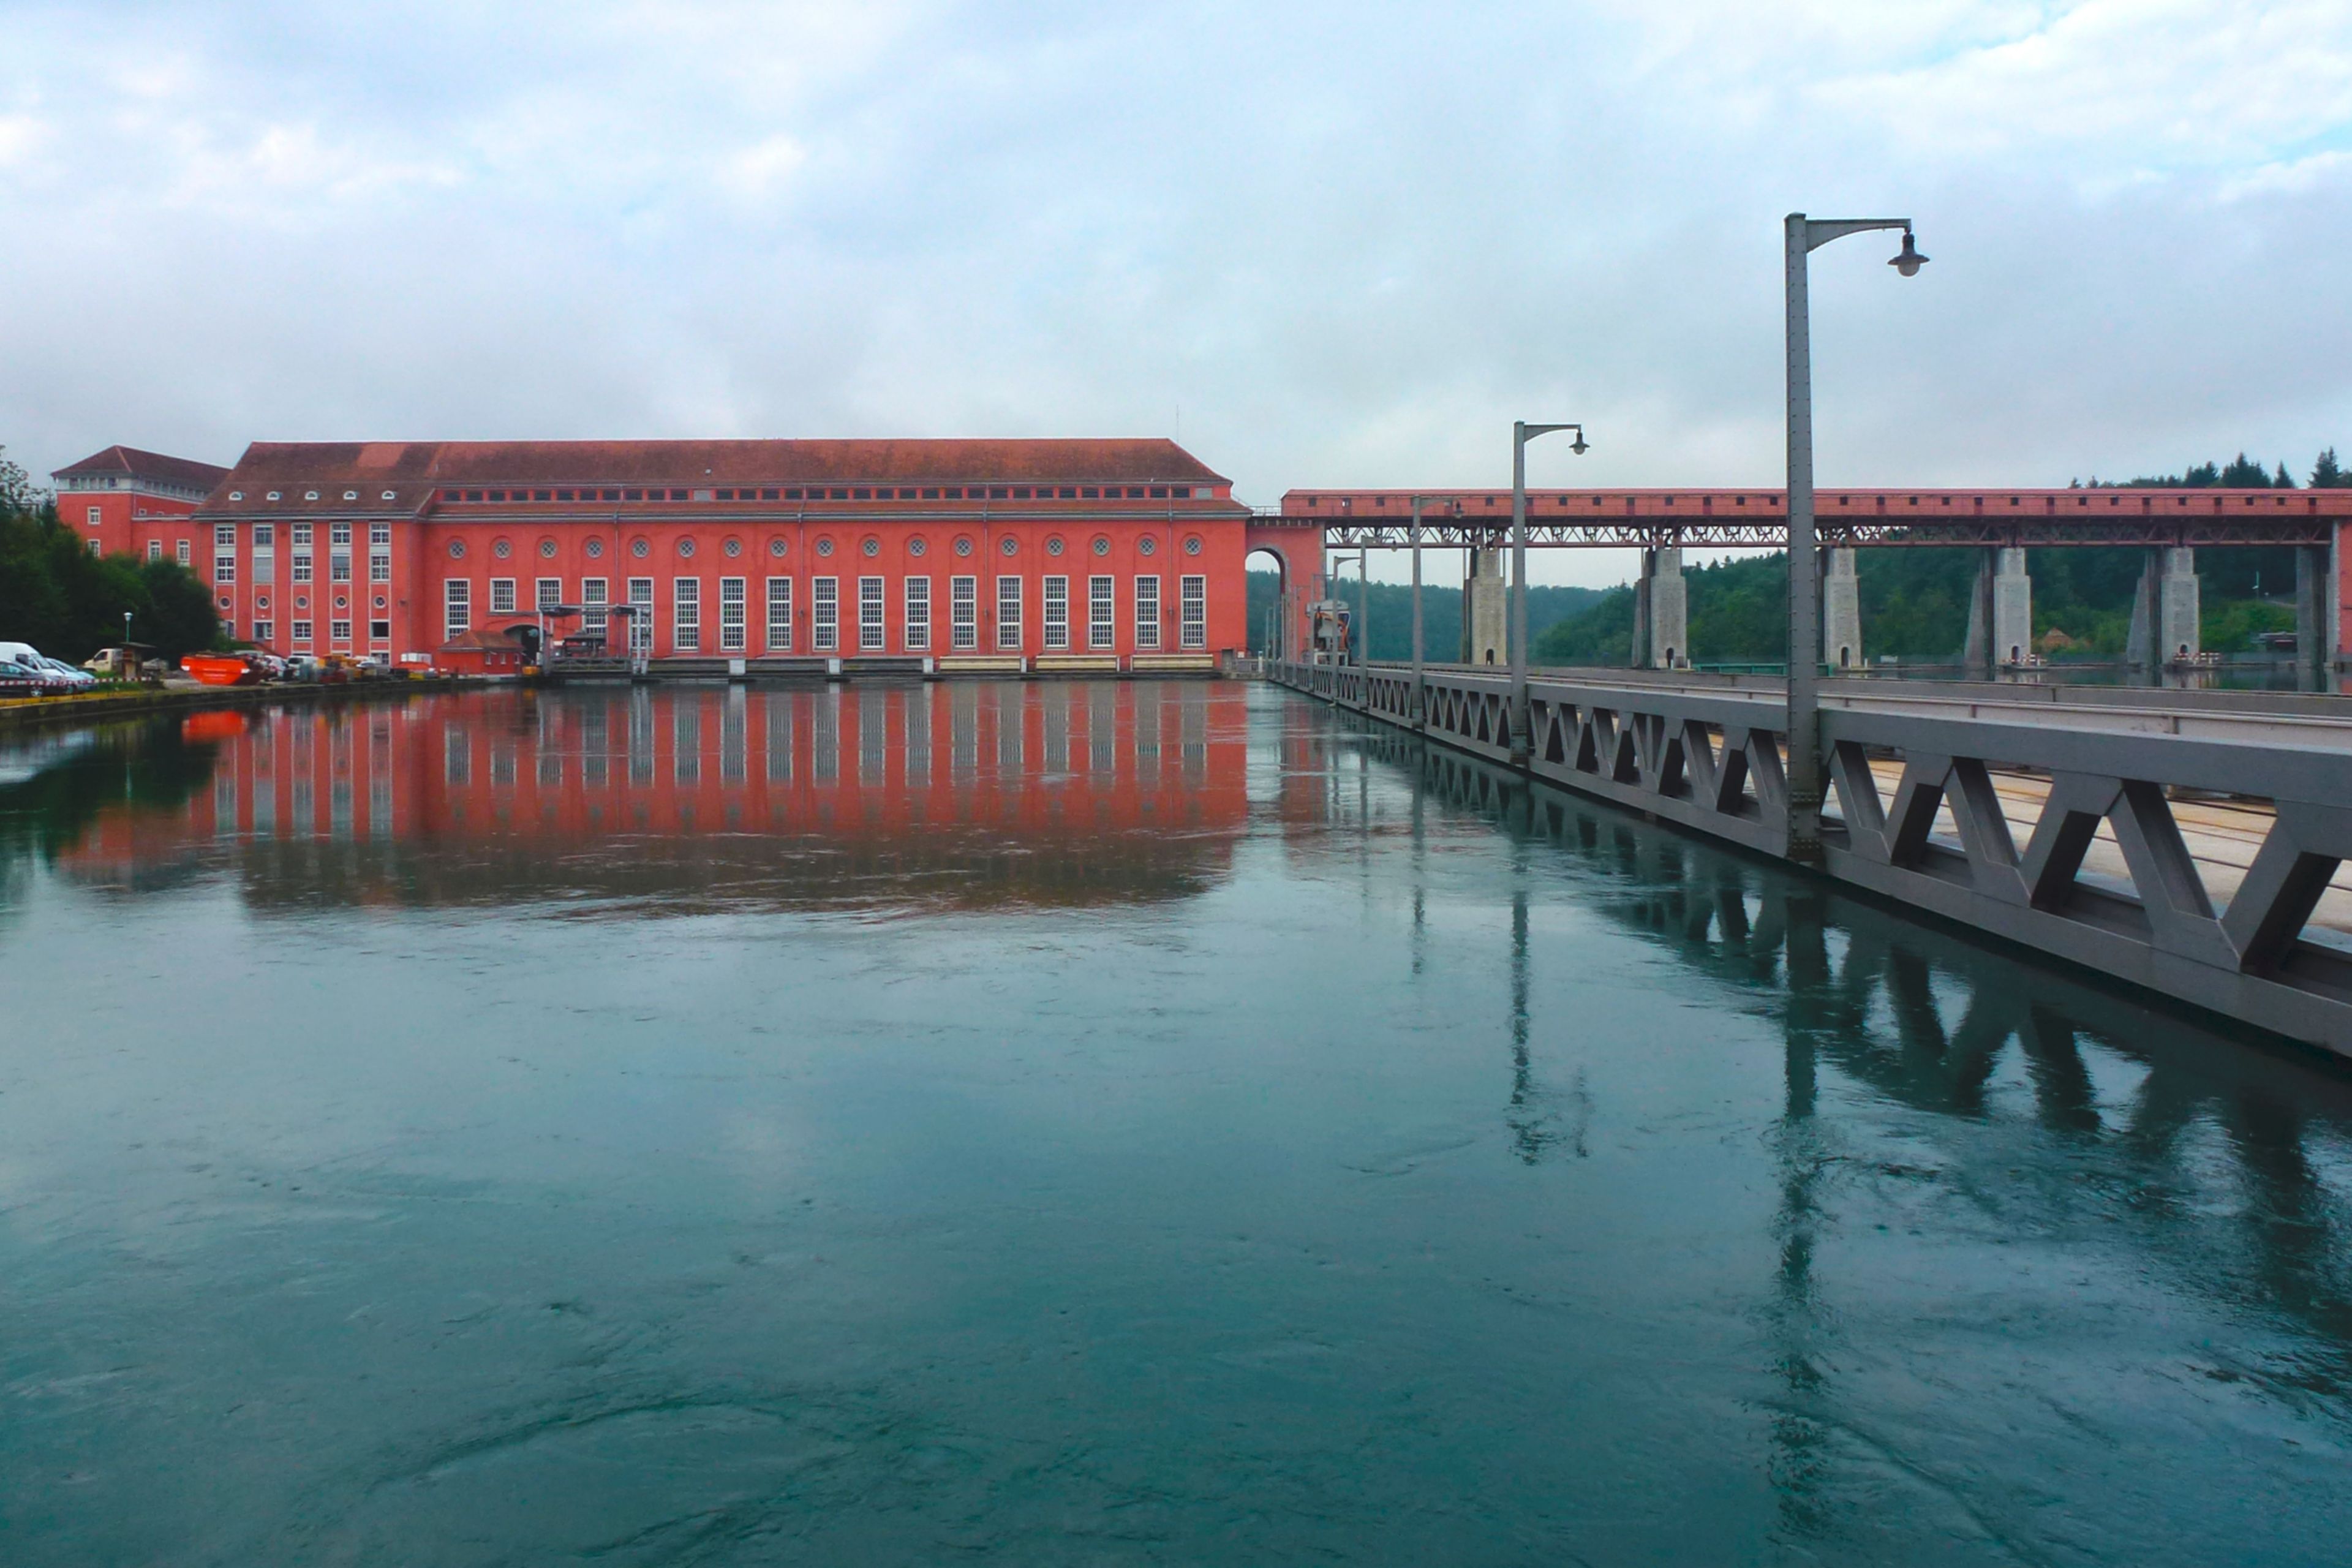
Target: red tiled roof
141, 465
758, 462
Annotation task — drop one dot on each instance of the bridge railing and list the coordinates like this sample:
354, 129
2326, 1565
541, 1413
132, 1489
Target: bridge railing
1942, 837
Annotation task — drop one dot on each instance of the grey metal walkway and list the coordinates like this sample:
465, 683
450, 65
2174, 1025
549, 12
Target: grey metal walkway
1933, 787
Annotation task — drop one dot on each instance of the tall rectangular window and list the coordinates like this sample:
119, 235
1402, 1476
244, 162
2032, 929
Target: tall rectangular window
154, 550
224, 552
1008, 612
1147, 613
686, 612
502, 596
824, 630
780, 615
963, 612
339, 566
180, 550
380, 566
547, 592
261, 633
1100, 631
918, 614
1057, 613
591, 604
1192, 612
870, 638
731, 630
641, 624
265, 535
457, 606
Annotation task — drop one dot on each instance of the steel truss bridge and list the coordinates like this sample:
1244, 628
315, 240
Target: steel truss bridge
1649, 520
1914, 817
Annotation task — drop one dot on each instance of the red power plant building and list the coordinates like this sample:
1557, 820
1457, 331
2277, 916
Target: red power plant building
129, 502
1005, 556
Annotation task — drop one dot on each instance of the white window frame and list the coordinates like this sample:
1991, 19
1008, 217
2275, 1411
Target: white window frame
686, 615
733, 635
918, 614
546, 592
641, 624
457, 606
780, 615
1147, 613
502, 597
180, 552
825, 614
1008, 613
300, 632
339, 631
873, 631
1056, 615
154, 550
963, 613
265, 632
593, 617
1102, 613
1192, 612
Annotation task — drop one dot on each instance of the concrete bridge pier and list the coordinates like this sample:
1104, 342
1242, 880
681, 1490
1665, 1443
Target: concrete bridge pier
2012, 609
1486, 608
2314, 652
1662, 612
2164, 613
1841, 613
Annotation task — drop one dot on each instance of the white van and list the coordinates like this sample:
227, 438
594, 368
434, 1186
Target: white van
26, 654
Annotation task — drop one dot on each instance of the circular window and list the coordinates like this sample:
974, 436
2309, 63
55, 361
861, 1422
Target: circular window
776, 546
1053, 545
456, 549
1148, 545
641, 547
379, 601
595, 549
262, 602
916, 546
546, 550
963, 544
825, 547
1102, 545
501, 548
341, 603
224, 601
871, 546
1192, 544
733, 547
1011, 546
685, 547
301, 601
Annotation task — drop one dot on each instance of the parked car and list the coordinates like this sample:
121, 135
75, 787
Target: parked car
32, 659
117, 663
30, 681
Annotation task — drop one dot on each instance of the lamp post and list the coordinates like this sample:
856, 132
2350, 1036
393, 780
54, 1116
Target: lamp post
1803, 236
1521, 433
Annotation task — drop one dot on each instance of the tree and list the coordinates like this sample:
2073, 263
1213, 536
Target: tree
17, 491
2326, 476
2244, 475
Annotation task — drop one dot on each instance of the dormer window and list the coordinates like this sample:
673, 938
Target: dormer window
273, 495
237, 495
389, 495
351, 495
309, 495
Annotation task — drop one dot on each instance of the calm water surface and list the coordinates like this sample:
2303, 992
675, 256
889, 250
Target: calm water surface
1074, 1123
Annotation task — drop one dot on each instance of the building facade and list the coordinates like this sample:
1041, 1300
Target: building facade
124, 501
980, 554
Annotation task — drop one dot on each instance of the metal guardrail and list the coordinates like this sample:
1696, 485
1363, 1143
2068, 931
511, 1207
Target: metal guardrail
1711, 758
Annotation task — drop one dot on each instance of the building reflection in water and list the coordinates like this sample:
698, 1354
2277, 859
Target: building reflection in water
671, 797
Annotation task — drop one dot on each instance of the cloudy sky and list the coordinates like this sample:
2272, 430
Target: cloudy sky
1320, 243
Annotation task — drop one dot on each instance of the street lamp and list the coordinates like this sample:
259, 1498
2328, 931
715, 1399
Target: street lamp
1804, 236
1521, 433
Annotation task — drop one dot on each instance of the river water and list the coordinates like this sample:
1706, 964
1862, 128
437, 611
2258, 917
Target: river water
1088, 1123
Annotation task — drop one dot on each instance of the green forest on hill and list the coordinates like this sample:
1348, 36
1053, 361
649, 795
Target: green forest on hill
1441, 610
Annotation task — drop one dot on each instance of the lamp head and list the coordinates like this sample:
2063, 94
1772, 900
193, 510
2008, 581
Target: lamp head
1580, 445
1909, 261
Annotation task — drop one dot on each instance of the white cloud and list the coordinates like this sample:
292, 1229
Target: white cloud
1350, 241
